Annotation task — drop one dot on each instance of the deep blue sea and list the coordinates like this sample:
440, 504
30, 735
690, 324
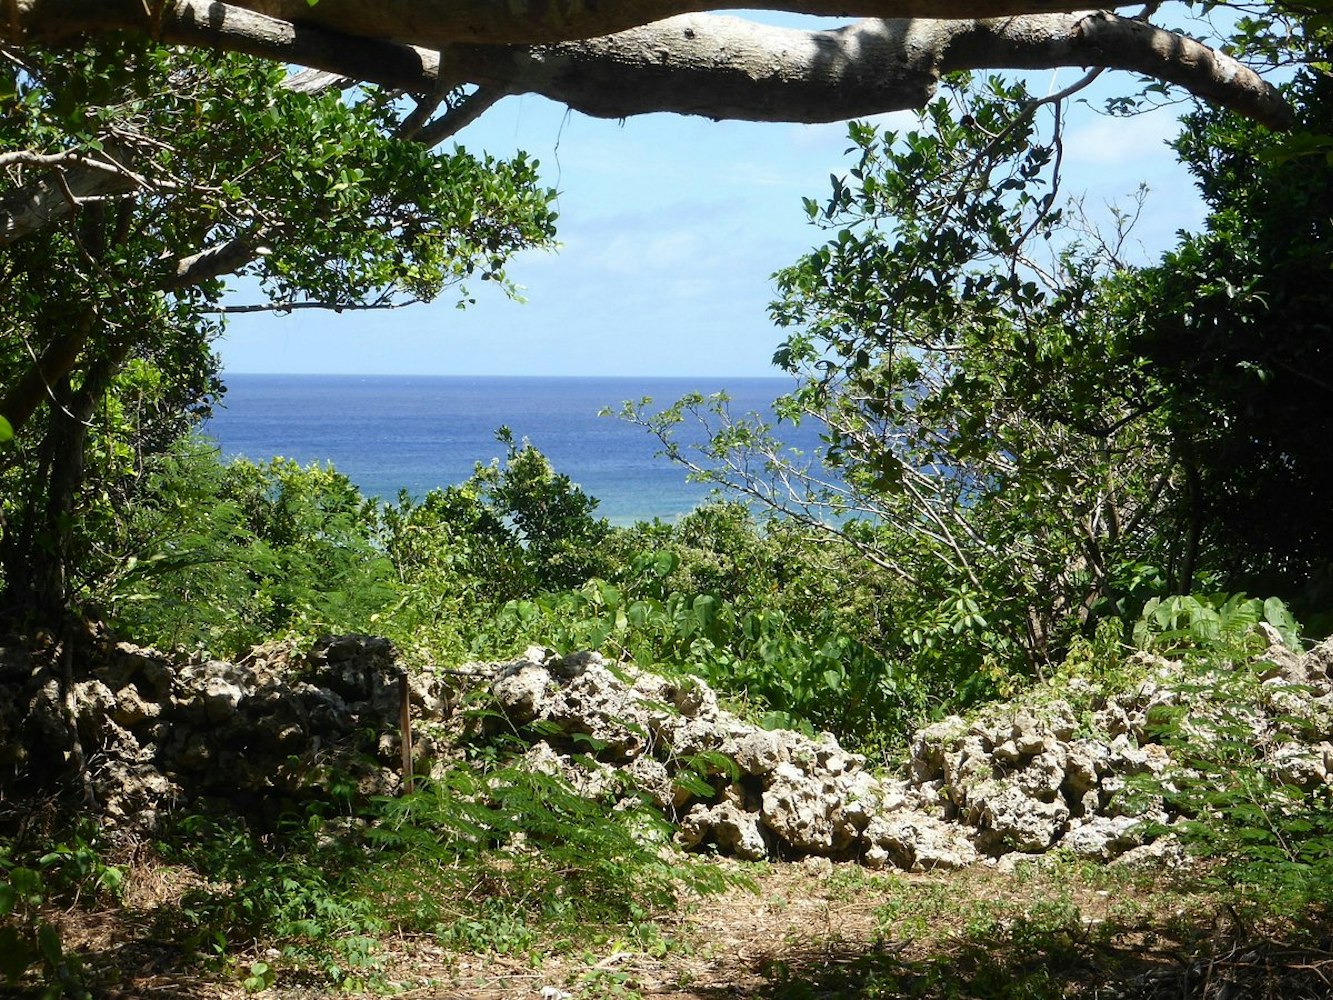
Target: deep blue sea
393, 432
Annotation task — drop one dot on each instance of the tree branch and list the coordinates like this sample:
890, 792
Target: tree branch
212, 262
34, 386
1099, 39
436, 23
725, 67
73, 179
286, 307
721, 67
460, 116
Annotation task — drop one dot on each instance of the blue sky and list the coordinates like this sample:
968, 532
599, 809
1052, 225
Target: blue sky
671, 228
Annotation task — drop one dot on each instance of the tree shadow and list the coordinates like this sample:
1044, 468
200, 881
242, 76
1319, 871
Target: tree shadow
1024, 960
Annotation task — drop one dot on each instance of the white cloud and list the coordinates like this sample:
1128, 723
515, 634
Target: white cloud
1116, 142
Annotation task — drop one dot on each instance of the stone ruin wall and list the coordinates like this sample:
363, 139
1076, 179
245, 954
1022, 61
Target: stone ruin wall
262, 735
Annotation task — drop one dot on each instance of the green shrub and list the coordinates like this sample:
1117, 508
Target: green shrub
790, 677
483, 859
1270, 839
1212, 624
35, 878
233, 555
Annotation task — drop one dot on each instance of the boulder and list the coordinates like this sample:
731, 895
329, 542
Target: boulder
916, 842
1102, 838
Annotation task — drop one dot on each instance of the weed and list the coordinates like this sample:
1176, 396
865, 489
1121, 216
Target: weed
488, 859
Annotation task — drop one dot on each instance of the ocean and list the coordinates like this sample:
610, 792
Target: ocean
393, 432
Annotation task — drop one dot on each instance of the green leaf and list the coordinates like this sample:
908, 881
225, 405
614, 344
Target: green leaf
1276, 613
665, 563
48, 942
6, 430
15, 954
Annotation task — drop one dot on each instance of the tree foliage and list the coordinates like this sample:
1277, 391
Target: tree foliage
1237, 330
314, 196
988, 439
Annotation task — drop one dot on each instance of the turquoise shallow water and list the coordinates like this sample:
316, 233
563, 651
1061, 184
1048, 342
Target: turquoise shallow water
392, 432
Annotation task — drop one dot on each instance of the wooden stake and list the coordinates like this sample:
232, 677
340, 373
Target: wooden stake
405, 724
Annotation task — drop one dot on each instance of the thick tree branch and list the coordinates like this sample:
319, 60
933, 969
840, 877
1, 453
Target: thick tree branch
437, 23
214, 262
24, 397
1099, 39
69, 179
711, 65
731, 68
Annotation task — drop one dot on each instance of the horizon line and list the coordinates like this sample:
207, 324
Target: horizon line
225, 371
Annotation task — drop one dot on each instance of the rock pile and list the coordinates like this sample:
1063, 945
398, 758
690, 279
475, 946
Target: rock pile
259, 735
1023, 779
251, 735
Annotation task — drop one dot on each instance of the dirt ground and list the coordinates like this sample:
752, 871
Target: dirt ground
803, 930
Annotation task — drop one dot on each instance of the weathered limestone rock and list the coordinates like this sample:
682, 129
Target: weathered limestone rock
1008, 818
1102, 838
1012, 782
760, 752
132, 709
1317, 664
1301, 765
1086, 761
521, 690
916, 842
739, 832
805, 811
1285, 663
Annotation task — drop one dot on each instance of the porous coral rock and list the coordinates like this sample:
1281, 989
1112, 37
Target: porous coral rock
1010, 780
805, 811
132, 709
1300, 765
1103, 837
1008, 818
739, 832
1085, 762
760, 751
652, 778
916, 842
521, 690
1043, 774
1317, 665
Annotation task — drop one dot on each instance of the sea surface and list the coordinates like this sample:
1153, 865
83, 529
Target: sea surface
395, 432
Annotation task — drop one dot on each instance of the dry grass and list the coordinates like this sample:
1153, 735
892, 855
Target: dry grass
810, 930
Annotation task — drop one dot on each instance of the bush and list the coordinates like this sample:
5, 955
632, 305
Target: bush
481, 859
1269, 834
229, 556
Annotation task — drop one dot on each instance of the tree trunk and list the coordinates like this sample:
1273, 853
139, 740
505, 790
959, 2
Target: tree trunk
1194, 529
36, 556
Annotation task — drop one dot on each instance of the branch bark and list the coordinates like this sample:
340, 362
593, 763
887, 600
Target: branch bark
724, 67
703, 64
721, 67
34, 387
73, 181
437, 23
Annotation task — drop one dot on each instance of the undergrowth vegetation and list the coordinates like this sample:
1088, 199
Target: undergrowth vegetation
771, 614
502, 860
